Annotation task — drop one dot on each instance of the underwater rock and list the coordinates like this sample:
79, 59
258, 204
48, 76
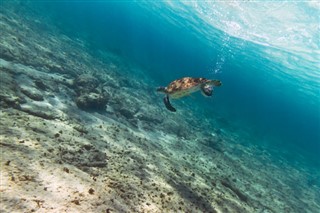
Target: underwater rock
92, 101
85, 84
226, 183
178, 129
10, 101
39, 113
7, 54
81, 129
25, 85
40, 85
150, 118
9, 96
82, 157
213, 142
127, 113
32, 93
89, 96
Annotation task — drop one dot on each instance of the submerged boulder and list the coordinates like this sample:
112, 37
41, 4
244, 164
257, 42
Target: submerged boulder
92, 101
90, 95
10, 101
10, 96
85, 84
32, 93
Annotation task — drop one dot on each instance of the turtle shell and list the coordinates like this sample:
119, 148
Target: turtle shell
184, 86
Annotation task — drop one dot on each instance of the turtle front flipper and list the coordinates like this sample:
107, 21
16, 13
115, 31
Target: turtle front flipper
168, 105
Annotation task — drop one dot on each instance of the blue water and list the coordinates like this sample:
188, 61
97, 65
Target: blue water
266, 54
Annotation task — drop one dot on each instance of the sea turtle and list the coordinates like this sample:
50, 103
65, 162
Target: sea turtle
185, 86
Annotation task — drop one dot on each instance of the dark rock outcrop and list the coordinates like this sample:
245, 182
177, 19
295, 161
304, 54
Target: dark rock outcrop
85, 83
83, 157
9, 94
32, 93
90, 96
94, 101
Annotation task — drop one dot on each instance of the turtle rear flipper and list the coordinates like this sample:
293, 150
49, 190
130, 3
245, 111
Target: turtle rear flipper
168, 104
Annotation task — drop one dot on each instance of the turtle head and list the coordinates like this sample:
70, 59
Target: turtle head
207, 88
216, 83
162, 89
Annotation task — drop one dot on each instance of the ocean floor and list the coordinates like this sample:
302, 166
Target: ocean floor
62, 150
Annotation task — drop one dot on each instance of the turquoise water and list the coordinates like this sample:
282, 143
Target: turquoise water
266, 54
83, 128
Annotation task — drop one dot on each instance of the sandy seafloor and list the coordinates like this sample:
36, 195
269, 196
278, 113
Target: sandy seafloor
132, 157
